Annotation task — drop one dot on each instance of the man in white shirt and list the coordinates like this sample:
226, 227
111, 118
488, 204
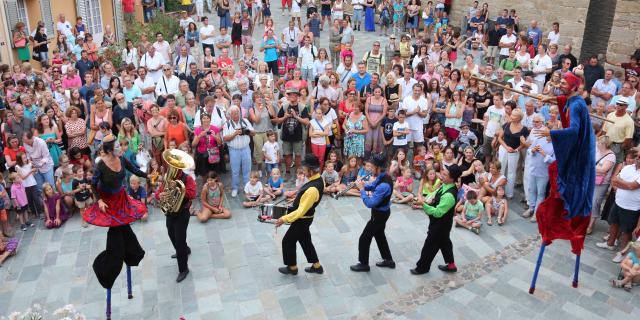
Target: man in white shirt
346, 70
185, 20
541, 66
625, 92
507, 41
163, 47
63, 25
416, 107
517, 81
290, 36
554, 34
207, 35
146, 84
603, 89
306, 57
406, 83
38, 152
153, 62
323, 90
168, 83
182, 61
236, 134
374, 59
218, 117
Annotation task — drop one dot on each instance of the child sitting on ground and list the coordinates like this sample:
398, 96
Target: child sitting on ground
348, 175
420, 162
64, 165
466, 138
497, 206
82, 192
254, 192
440, 139
301, 179
471, 216
398, 163
20, 202
275, 184
5, 204
136, 191
630, 266
403, 188
337, 164
8, 248
331, 178
55, 212
64, 187
429, 184
212, 198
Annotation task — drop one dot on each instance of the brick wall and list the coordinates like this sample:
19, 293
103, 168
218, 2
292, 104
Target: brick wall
625, 31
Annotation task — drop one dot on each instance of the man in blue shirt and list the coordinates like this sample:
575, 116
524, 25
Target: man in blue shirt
534, 33
84, 65
363, 78
380, 203
475, 21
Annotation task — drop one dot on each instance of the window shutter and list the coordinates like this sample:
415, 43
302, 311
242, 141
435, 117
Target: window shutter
81, 9
47, 17
11, 10
119, 20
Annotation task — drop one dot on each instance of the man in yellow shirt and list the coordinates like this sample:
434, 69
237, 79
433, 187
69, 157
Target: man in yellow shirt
300, 217
620, 130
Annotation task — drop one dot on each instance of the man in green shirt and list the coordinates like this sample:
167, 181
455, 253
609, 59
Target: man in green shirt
440, 209
509, 64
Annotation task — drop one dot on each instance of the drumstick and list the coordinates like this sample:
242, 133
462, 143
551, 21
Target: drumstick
536, 97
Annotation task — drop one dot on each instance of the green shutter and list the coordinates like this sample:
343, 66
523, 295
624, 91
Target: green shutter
47, 17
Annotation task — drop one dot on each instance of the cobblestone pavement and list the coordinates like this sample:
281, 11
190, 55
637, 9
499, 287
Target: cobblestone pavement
234, 276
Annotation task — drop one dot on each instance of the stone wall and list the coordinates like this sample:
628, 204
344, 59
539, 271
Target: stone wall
625, 34
571, 14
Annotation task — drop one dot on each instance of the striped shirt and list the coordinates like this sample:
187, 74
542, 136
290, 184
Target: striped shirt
240, 141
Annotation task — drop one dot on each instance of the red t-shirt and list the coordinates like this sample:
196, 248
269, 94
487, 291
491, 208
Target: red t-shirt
128, 6
13, 153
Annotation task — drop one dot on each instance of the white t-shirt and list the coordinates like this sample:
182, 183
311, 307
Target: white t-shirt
629, 199
507, 39
148, 82
554, 37
291, 36
540, 64
253, 190
496, 119
411, 105
62, 27
326, 123
29, 181
164, 49
401, 127
271, 149
207, 31
407, 86
154, 62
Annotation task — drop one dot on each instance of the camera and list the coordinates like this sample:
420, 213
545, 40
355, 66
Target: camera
245, 132
208, 133
138, 105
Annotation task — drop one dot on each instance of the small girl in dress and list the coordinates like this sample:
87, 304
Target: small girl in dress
403, 188
212, 198
254, 192
497, 206
20, 202
26, 171
54, 210
153, 179
275, 184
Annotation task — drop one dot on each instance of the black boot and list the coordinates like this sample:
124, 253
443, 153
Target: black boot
386, 264
360, 267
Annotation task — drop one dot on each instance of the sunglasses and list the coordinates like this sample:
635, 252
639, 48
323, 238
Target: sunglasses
173, 118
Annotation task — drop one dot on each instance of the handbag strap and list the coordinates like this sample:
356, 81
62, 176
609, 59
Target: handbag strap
603, 157
319, 125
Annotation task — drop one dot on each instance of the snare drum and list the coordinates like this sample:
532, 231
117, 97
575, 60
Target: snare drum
272, 211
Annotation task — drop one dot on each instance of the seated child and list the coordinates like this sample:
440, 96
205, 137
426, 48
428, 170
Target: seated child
466, 138
8, 248
64, 165
630, 266
55, 212
331, 178
403, 188
497, 206
275, 184
20, 202
301, 179
79, 158
64, 187
429, 184
212, 198
136, 191
436, 150
398, 163
349, 176
440, 139
420, 162
337, 164
254, 192
471, 216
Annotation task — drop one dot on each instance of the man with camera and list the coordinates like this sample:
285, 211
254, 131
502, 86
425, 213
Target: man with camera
293, 117
236, 135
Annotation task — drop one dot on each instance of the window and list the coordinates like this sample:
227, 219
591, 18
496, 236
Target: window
93, 16
16, 11
22, 14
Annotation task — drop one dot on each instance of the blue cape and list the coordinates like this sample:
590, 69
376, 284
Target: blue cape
574, 147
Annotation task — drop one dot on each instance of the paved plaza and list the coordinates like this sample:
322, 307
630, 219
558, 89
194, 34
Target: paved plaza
234, 269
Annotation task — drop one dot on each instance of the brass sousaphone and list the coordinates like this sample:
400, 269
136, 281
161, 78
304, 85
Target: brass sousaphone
174, 189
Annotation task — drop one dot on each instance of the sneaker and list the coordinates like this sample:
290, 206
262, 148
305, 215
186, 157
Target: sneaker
527, 213
618, 258
260, 174
30, 224
533, 219
605, 245
606, 237
23, 227
476, 230
234, 193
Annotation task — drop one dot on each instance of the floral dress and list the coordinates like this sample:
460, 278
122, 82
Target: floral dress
354, 142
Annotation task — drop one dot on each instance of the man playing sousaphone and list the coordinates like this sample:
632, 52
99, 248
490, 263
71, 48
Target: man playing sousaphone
300, 217
175, 196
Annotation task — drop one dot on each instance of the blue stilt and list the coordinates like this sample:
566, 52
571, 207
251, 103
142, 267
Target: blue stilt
129, 290
108, 304
535, 272
576, 271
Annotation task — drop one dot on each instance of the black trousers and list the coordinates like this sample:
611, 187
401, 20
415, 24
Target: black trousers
298, 232
177, 228
437, 240
122, 247
374, 229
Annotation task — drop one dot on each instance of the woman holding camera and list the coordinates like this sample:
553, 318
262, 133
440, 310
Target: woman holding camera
206, 142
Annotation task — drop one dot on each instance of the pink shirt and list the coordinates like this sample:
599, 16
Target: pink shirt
74, 82
205, 143
19, 193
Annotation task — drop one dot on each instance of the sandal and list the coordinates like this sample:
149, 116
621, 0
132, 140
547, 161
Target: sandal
627, 287
616, 283
489, 223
